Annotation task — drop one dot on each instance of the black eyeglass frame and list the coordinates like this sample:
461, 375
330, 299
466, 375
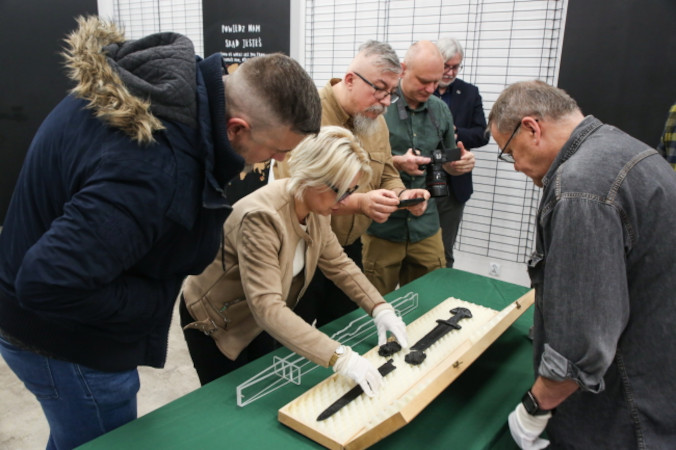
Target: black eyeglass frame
455, 68
507, 157
346, 194
393, 95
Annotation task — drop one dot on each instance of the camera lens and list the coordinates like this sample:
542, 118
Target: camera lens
435, 176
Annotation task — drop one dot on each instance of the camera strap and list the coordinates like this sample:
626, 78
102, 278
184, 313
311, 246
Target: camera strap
436, 125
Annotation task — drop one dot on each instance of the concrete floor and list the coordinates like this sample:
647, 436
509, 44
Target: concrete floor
23, 426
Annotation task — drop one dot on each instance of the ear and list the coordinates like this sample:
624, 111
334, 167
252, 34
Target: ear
348, 79
403, 70
533, 126
236, 126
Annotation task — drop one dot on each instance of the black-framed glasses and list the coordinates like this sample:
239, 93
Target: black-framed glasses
455, 68
346, 194
507, 157
380, 93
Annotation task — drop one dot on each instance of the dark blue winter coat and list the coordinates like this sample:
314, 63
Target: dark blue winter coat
119, 198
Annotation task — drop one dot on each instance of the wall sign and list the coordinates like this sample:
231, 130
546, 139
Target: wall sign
242, 30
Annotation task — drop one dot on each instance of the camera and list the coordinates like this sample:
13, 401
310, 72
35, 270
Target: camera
435, 175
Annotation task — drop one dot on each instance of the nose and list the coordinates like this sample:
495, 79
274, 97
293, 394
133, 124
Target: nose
387, 100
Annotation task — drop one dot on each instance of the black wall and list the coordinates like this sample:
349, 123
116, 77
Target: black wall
619, 62
32, 78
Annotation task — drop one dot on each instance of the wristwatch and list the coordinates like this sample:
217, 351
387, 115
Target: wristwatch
340, 351
531, 404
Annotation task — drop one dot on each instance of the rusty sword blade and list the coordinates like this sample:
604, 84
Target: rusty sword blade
352, 394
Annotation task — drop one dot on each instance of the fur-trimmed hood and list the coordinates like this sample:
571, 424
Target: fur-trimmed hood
131, 85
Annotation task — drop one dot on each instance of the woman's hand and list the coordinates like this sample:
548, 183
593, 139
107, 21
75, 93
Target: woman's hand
386, 320
358, 368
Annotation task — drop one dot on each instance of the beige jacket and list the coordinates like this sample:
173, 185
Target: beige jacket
253, 293
349, 228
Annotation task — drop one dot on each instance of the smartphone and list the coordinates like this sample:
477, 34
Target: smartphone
410, 202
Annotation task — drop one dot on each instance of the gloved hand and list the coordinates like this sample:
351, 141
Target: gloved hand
526, 429
355, 366
387, 320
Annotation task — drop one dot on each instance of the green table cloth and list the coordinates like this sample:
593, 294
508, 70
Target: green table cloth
470, 414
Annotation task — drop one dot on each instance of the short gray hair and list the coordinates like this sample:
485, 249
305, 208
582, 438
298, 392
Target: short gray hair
449, 47
274, 90
330, 159
529, 98
387, 59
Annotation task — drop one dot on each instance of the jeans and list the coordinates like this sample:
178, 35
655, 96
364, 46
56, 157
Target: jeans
79, 403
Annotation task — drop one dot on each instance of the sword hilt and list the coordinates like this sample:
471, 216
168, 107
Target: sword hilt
442, 328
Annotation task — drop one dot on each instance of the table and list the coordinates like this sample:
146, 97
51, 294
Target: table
470, 414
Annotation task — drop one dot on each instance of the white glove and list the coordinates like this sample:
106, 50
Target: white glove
387, 320
355, 366
526, 429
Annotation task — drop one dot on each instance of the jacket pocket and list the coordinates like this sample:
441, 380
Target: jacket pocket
377, 167
208, 317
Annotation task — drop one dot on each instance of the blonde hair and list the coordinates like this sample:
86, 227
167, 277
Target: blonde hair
331, 158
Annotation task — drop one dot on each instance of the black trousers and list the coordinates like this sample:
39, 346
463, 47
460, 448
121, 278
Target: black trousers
208, 360
323, 300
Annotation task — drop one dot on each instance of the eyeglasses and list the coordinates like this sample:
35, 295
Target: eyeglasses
346, 194
456, 68
380, 93
507, 157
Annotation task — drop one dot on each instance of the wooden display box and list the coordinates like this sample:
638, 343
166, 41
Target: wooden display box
408, 389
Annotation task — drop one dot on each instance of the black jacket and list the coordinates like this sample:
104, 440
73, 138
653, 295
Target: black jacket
468, 116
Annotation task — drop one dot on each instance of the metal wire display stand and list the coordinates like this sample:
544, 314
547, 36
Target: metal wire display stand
291, 368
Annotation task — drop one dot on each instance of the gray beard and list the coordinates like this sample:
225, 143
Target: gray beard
365, 125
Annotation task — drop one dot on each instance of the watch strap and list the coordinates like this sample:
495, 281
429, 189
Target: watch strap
532, 406
340, 351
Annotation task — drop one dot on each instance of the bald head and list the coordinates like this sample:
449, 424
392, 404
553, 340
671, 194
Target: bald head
424, 53
423, 69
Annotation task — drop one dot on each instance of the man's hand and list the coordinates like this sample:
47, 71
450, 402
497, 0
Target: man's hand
526, 429
464, 165
378, 204
419, 209
410, 162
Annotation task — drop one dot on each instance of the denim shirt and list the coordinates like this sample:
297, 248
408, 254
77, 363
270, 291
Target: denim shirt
604, 271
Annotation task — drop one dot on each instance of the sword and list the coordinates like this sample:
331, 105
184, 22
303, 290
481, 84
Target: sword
352, 394
417, 354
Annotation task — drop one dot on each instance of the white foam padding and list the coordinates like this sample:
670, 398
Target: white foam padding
399, 387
